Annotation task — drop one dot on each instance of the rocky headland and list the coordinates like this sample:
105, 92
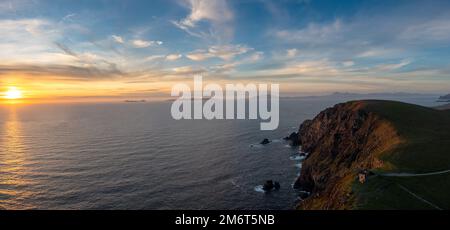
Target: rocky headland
362, 135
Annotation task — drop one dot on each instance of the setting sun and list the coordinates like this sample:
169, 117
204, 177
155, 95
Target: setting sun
13, 93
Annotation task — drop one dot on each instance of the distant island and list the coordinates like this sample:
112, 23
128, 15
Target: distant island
443, 107
349, 95
135, 101
375, 154
445, 98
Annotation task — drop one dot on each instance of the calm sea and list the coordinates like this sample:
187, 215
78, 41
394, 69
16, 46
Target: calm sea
135, 156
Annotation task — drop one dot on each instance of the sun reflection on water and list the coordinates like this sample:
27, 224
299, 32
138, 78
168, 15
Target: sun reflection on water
13, 164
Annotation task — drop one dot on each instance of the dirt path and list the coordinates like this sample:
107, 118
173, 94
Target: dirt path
413, 174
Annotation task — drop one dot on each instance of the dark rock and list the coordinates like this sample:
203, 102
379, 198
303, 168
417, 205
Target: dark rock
277, 185
293, 139
303, 194
265, 141
271, 185
268, 186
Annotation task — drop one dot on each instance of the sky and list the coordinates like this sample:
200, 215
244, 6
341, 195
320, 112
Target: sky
101, 49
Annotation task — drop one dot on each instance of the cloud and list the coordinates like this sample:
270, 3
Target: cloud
391, 67
65, 49
12, 6
62, 72
224, 68
256, 56
229, 67
155, 58
173, 57
378, 52
213, 10
323, 74
159, 58
118, 39
291, 53
348, 63
68, 17
199, 55
428, 31
26, 27
358, 44
216, 12
187, 70
365, 35
224, 52
138, 43
227, 52
309, 68
29, 40
313, 33
86, 59
6, 6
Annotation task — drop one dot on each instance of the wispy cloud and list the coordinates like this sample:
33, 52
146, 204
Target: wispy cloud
376, 52
291, 53
158, 58
139, 43
216, 12
313, 33
429, 31
65, 49
230, 66
68, 17
225, 52
187, 70
392, 66
173, 57
348, 63
13, 6
155, 58
118, 39
62, 72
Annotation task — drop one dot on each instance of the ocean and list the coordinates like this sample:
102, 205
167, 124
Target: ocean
135, 156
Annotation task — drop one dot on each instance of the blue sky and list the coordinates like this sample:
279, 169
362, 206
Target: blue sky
123, 48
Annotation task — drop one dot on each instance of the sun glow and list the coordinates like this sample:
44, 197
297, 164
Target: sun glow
13, 93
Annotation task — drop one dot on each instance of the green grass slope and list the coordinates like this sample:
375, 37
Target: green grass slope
425, 148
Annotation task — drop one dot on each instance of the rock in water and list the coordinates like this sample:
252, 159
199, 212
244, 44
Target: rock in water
268, 186
271, 185
265, 141
277, 185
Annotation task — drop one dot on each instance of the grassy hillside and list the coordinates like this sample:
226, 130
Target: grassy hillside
425, 148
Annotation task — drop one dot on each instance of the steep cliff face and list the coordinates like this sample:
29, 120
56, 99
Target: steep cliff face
341, 141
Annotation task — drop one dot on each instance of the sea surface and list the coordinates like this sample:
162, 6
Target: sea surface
135, 156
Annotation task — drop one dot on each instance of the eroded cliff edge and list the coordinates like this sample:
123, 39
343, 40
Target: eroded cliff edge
341, 141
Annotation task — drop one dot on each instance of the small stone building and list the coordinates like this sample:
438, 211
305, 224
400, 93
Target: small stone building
362, 176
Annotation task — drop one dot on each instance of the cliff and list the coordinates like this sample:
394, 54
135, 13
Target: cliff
361, 135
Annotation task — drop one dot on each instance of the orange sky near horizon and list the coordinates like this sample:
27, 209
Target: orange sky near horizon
50, 89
